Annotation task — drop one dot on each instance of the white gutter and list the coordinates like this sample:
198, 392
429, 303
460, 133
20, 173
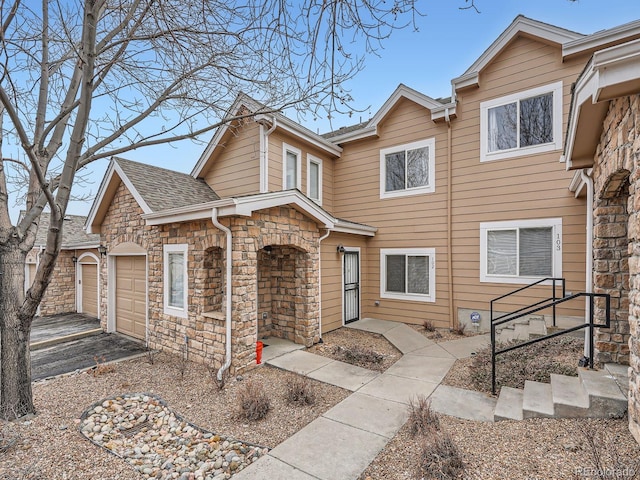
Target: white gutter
588, 181
320, 281
264, 155
227, 231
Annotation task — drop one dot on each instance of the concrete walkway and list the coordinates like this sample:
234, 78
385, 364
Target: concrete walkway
341, 443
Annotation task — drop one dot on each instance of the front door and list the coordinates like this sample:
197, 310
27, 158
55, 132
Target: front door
351, 268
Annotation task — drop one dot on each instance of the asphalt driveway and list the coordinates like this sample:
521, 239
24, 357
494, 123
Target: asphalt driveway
66, 343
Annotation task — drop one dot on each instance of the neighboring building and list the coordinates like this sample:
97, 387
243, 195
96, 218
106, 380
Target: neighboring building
76, 276
428, 211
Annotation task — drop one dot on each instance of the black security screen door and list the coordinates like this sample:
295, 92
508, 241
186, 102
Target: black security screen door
351, 286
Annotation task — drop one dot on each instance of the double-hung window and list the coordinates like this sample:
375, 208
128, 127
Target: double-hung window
520, 251
521, 124
175, 280
291, 169
314, 179
407, 169
408, 274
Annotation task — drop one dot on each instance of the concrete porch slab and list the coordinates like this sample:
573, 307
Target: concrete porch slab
465, 347
272, 468
300, 362
276, 347
406, 339
398, 389
428, 369
330, 450
371, 414
461, 403
373, 325
343, 375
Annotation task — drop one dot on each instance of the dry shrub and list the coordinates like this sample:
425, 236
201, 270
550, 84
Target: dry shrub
358, 355
300, 391
535, 362
428, 326
254, 402
101, 367
439, 457
422, 420
459, 329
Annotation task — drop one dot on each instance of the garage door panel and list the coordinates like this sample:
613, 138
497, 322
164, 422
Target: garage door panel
131, 295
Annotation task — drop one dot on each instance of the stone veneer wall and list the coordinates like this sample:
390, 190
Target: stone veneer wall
206, 335
611, 275
60, 296
616, 168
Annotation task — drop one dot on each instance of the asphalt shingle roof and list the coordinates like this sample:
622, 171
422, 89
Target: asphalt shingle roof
73, 233
163, 189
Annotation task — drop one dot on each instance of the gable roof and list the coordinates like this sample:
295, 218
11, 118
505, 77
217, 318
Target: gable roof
520, 25
154, 188
262, 114
73, 233
439, 110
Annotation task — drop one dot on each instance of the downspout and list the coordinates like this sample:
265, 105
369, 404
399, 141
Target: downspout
588, 181
264, 155
320, 281
227, 231
449, 220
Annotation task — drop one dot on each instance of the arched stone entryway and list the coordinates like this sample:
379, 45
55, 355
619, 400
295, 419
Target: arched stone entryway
611, 266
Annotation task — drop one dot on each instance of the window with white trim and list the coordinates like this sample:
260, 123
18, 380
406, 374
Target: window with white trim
408, 274
521, 124
175, 280
291, 167
520, 251
314, 179
407, 169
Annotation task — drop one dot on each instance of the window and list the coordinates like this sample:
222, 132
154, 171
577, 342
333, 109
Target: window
291, 171
520, 251
408, 274
175, 280
521, 124
314, 179
407, 169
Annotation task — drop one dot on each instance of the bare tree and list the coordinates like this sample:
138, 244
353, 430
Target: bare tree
83, 80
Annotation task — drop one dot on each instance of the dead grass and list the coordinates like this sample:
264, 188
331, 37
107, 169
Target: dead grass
421, 418
300, 391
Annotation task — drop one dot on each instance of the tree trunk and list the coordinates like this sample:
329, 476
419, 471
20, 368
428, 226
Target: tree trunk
15, 362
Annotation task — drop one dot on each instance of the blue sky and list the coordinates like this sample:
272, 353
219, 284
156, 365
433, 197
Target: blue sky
449, 40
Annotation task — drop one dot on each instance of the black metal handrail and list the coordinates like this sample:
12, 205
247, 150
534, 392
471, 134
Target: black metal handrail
526, 311
553, 298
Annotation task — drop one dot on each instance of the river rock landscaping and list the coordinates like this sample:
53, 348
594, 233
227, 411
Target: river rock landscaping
142, 430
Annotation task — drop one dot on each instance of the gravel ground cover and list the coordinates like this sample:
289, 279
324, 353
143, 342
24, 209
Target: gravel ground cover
440, 335
364, 349
535, 449
535, 362
50, 446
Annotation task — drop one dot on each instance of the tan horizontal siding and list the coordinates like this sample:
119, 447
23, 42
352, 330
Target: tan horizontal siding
239, 152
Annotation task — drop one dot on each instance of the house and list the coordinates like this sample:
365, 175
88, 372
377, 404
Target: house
427, 211
75, 280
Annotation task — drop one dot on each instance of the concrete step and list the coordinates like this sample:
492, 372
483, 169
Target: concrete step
569, 398
537, 327
509, 406
521, 331
537, 400
606, 399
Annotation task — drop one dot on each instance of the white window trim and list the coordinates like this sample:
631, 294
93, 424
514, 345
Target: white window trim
168, 309
430, 143
312, 159
430, 252
555, 223
289, 148
556, 89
